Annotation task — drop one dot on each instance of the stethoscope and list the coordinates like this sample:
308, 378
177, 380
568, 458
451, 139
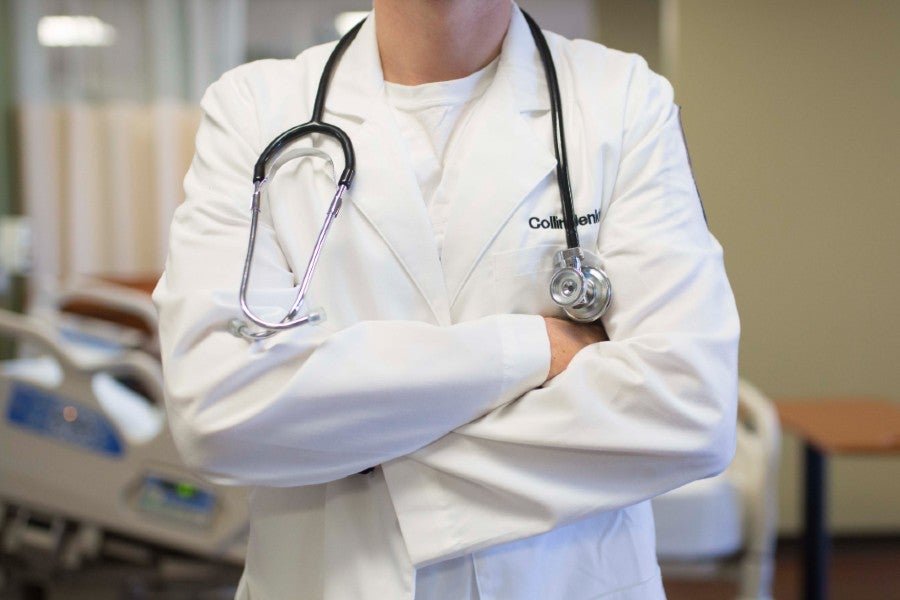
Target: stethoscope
578, 285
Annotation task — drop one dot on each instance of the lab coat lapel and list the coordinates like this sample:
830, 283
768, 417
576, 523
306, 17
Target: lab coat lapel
500, 158
385, 189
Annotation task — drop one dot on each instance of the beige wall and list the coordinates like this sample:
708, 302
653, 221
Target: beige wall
791, 113
632, 26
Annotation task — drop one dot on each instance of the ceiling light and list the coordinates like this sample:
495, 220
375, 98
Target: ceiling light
71, 30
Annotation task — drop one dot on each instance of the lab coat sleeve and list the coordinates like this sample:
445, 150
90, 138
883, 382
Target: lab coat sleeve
646, 412
310, 405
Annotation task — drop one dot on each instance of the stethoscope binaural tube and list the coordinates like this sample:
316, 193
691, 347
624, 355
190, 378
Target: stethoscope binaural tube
272, 152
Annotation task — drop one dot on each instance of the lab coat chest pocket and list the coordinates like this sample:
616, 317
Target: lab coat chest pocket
519, 280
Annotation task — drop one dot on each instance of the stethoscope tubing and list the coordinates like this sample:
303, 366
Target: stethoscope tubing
315, 123
559, 133
310, 127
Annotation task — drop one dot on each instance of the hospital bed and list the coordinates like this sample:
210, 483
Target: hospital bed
724, 527
88, 467
121, 306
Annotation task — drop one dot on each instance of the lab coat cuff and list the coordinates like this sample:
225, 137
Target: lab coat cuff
526, 353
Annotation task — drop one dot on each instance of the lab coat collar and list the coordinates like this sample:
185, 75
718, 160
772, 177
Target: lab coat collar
490, 176
521, 64
385, 189
359, 78
496, 171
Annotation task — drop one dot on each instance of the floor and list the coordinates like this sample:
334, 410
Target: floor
861, 569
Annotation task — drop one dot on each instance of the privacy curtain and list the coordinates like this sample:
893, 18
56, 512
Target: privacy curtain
106, 133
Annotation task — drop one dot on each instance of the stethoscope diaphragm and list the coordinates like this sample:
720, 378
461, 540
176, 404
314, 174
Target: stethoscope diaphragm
579, 286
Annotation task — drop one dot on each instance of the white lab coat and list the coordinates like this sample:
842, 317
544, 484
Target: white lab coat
431, 367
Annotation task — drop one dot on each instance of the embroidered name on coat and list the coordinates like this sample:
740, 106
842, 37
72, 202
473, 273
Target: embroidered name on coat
554, 222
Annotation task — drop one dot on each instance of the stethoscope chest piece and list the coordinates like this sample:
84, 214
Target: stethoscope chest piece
579, 285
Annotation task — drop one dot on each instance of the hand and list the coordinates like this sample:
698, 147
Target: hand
567, 338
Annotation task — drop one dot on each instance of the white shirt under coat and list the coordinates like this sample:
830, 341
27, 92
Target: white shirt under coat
432, 118
432, 367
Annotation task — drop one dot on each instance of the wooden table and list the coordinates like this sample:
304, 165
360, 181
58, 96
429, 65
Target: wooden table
849, 426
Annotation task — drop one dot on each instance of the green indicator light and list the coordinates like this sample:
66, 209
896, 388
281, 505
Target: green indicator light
185, 490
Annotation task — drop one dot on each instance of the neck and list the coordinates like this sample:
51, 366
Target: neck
422, 41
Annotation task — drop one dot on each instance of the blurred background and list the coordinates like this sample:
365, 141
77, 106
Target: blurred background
791, 116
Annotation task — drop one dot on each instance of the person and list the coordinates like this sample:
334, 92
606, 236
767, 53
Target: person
443, 433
